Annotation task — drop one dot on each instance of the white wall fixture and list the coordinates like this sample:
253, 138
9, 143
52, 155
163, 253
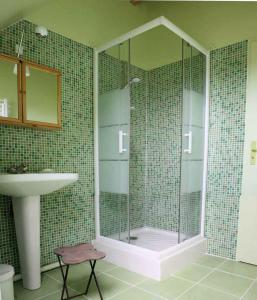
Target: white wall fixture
25, 190
41, 31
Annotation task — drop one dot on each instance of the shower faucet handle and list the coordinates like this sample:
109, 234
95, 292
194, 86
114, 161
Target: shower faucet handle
121, 135
190, 142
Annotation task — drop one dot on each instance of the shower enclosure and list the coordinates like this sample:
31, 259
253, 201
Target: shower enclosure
150, 144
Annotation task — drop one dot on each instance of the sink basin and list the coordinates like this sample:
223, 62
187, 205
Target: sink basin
33, 184
25, 190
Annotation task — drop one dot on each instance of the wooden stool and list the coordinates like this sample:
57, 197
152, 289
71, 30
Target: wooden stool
75, 255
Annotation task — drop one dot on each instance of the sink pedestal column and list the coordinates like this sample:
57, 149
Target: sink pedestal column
27, 224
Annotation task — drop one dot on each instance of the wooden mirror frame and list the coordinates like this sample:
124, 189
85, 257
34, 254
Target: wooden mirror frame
8, 120
32, 123
21, 91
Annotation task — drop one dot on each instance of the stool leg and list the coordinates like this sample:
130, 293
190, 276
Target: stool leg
65, 282
92, 274
90, 277
64, 277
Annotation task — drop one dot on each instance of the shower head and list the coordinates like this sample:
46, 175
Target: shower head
134, 80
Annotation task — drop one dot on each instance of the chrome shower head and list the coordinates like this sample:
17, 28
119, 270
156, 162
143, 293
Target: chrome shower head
135, 80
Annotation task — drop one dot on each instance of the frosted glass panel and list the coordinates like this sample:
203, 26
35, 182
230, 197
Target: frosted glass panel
114, 176
114, 127
193, 108
114, 107
192, 155
192, 175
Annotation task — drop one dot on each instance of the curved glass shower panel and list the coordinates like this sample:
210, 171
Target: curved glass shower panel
113, 129
155, 141
192, 159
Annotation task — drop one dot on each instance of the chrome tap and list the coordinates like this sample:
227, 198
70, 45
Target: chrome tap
21, 169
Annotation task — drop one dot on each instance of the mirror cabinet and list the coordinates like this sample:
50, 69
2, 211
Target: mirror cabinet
30, 94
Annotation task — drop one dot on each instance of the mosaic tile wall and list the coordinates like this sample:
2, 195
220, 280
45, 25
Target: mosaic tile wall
164, 207
226, 140
67, 216
164, 115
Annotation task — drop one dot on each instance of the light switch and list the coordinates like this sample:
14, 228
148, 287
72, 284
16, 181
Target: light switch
253, 153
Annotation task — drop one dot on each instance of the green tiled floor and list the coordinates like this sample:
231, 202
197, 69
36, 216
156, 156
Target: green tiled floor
210, 278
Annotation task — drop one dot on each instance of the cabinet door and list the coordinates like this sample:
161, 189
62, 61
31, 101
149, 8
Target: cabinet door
41, 97
10, 90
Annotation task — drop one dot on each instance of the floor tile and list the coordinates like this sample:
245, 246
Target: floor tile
57, 296
76, 273
126, 275
252, 293
109, 286
104, 266
135, 294
240, 268
194, 272
229, 283
48, 286
199, 292
210, 261
169, 288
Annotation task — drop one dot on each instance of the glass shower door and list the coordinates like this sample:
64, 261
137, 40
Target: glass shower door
113, 128
192, 156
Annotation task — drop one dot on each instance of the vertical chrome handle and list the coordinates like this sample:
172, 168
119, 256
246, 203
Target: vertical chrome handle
121, 135
190, 140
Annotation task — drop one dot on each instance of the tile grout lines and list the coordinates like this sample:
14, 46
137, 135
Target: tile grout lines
230, 273
131, 285
68, 286
226, 272
85, 296
248, 289
49, 294
198, 282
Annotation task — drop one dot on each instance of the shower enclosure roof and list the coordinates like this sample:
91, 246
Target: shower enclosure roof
160, 37
150, 25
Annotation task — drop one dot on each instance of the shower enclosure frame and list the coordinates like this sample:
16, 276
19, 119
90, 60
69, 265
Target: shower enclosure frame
109, 244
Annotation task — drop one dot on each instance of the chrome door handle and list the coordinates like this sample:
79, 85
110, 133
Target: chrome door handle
121, 135
190, 140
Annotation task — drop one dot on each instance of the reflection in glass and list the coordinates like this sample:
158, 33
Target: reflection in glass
41, 96
8, 90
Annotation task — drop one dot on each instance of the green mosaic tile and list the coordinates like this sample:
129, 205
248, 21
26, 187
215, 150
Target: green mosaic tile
67, 216
228, 73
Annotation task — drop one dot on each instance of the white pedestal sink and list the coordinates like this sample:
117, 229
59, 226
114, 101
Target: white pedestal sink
25, 190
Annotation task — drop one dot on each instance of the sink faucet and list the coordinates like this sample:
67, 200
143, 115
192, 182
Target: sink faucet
21, 169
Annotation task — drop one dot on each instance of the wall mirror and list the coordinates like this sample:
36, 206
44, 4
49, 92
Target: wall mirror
41, 100
30, 94
10, 90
